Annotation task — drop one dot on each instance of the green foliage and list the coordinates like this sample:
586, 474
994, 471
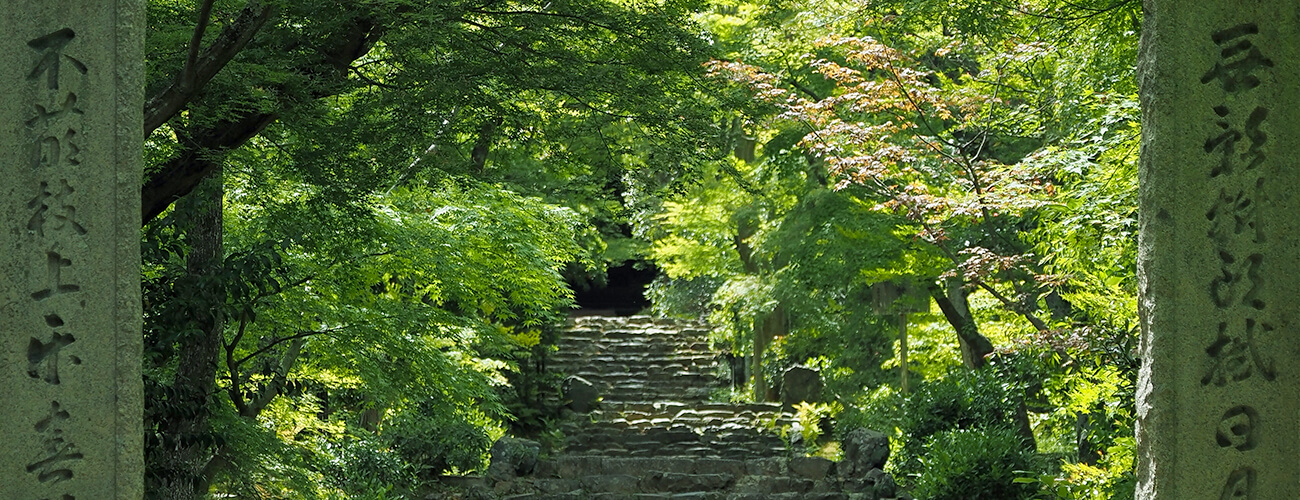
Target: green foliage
849, 352
810, 418
683, 298
998, 146
366, 465
397, 316
261, 464
988, 401
432, 442
1111, 479
974, 464
396, 252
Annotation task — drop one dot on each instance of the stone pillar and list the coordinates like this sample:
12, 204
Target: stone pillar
1219, 263
70, 386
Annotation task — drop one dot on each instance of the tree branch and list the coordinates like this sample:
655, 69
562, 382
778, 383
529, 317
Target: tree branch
178, 177
198, 70
300, 335
974, 346
181, 174
277, 381
234, 391
1010, 304
192, 57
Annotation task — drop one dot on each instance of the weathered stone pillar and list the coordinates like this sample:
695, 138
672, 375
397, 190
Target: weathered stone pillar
70, 386
1219, 264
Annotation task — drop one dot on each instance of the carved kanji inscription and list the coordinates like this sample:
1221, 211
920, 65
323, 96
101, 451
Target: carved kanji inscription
52, 208
58, 454
55, 262
1238, 59
1235, 355
1237, 429
51, 48
43, 357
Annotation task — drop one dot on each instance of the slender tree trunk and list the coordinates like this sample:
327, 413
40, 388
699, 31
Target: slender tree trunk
178, 467
902, 354
952, 301
765, 328
483, 145
974, 346
744, 146
771, 326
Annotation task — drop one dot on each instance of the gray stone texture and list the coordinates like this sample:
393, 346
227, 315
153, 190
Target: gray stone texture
800, 384
654, 438
511, 457
582, 395
1219, 271
69, 249
864, 449
811, 467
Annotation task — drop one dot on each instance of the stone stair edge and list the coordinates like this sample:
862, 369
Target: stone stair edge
653, 434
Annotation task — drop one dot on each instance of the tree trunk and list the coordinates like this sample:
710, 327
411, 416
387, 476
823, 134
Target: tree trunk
771, 326
178, 466
902, 354
483, 145
744, 147
952, 301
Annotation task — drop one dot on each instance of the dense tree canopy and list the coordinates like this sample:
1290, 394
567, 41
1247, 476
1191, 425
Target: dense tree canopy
362, 222
361, 236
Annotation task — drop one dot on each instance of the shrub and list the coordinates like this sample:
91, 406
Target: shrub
975, 464
367, 466
435, 442
962, 401
1111, 479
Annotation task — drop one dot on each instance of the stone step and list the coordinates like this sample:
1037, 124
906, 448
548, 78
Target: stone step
582, 340
711, 495
712, 431
690, 328
686, 375
620, 357
639, 354
716, 426
655, 436
665, 447
679, 406
736, 446
699, 380
575, 466
649, 368
597, 338
662, 378
647, 349
643, 367
629, 342
633, 359
658, 370
698, 451
650, 382
633, 335
639, 319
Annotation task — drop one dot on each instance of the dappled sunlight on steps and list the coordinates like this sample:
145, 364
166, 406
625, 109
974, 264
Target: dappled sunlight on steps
654, 434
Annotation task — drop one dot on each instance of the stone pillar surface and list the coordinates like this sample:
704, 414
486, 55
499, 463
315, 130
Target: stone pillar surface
70, 386
1219, 252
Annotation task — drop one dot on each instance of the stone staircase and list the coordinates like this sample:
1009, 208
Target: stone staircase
654, 378
646, 429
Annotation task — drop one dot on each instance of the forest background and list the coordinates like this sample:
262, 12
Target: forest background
363, 222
